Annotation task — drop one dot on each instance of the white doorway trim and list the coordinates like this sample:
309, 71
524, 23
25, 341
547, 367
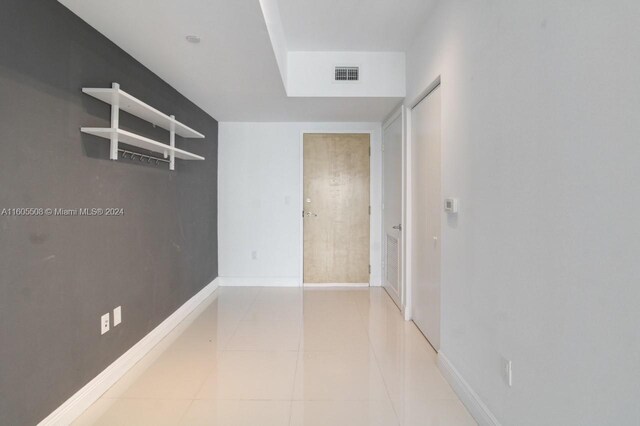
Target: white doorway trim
400, 112
408, 315
372, 169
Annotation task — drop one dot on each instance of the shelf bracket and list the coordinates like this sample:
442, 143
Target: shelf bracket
115, 121
172, 142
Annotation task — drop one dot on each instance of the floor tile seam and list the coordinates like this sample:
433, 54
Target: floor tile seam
244, 314
295, 371
382, 375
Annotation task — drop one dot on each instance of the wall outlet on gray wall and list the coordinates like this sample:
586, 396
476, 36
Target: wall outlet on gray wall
254, 254
104, 323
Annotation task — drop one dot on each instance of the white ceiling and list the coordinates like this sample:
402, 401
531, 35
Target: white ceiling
378, 25
232, 74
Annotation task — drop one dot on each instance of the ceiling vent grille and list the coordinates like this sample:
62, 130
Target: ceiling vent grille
347, 74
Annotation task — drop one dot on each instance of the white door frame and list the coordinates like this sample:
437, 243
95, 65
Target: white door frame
408, 283
400, 112
301, 218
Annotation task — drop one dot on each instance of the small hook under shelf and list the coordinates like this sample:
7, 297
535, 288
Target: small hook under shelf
143, 157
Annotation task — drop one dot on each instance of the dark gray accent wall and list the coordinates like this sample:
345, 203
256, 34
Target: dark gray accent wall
58, 275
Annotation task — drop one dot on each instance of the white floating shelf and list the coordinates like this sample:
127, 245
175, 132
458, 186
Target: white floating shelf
136, 107
121, 100
140, 142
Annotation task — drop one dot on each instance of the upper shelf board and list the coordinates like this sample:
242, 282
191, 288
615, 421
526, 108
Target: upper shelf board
135, 106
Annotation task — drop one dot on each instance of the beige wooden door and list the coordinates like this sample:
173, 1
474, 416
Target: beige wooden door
336, 208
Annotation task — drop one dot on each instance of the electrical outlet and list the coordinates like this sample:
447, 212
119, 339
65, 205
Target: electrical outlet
254, 254
104, 323
508, 372
117, 316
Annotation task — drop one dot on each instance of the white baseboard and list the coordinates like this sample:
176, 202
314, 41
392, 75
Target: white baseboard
320, 285
259, 282
467, 395
81, 400
408, 313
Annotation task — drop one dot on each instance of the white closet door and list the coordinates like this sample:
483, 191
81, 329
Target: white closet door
426, 216
392, 213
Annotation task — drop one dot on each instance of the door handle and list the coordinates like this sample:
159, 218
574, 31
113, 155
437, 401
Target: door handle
309, 214
398, 227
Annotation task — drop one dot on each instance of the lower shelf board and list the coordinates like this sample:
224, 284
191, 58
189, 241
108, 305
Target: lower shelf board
140, 142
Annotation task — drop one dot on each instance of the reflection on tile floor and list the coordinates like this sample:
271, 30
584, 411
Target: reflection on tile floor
284, 356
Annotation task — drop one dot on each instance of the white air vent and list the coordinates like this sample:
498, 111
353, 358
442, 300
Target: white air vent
347, 74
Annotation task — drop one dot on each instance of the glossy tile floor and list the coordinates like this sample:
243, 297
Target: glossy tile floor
283, 356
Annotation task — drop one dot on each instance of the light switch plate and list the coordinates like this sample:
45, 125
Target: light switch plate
117, 316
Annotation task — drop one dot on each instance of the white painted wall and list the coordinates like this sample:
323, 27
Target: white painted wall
382, 74
540, 136
260, 200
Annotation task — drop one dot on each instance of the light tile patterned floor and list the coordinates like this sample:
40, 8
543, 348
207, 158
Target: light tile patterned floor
284, 356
